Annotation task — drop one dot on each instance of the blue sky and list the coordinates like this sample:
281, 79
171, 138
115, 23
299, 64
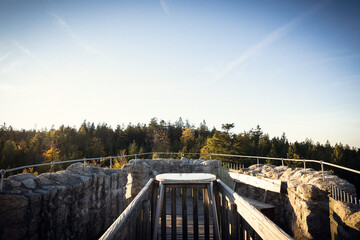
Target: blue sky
289, 66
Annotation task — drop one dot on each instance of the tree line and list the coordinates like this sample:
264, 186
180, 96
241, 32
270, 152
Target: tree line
23, 147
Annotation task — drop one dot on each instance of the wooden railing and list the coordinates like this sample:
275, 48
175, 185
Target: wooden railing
237, 218
135, 221
240, 220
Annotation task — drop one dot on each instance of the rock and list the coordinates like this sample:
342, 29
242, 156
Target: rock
308, 192
11, 202
353, 221
29, 183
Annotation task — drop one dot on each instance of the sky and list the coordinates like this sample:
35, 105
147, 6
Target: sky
289, 66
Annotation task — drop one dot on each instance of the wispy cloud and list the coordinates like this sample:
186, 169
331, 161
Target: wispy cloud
22, 48
81, 42
3, 57
272, 37
347, 80
330, 59
165, 6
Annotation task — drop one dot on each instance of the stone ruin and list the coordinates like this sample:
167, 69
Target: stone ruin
82, 201
302, 207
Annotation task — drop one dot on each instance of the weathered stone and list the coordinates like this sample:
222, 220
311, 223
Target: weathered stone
353, 221
63, 204
10, 202
29, 183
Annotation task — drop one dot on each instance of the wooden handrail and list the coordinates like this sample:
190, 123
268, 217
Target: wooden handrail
259, 182
130, 212
262, 225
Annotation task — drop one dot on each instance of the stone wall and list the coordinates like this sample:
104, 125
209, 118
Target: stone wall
82, 201
344, 220
302, 209
78, 203
140, 171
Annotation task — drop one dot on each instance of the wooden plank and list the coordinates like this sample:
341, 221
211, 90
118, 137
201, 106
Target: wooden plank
184, 214
217, 202
264, 183
138, 225
132, 210
224, 217
258, 204
195, 213
146, 226
263, 226
241, 227
173, 213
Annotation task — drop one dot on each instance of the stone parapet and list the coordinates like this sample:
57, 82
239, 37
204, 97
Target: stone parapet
80, 202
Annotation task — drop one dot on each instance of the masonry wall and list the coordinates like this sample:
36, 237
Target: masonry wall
82, 201
302, 208
78, 203
140, 171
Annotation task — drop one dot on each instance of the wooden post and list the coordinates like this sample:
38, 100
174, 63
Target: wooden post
206, 214
153, 207
234, 221
213, 210
173, 213
158, 210
218, 206
195, 214
184, 214
163, 217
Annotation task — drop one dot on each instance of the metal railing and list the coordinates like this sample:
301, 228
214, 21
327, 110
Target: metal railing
110, 158
343, 196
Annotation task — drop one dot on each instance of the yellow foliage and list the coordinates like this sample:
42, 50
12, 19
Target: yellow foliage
52, 154
30, 170
187, 134
119, 162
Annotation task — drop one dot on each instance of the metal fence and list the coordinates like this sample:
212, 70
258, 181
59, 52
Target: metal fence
153, 154
340, 195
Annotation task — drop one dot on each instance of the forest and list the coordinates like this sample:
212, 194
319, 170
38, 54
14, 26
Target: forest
23, 147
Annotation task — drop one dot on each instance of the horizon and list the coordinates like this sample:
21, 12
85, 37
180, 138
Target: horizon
290, 67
